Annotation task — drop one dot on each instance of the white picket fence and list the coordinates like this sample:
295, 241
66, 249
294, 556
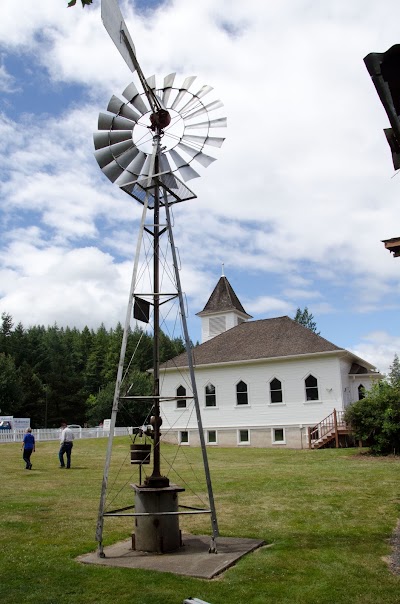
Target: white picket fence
10, 436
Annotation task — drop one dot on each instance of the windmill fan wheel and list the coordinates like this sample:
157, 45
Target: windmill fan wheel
124, 140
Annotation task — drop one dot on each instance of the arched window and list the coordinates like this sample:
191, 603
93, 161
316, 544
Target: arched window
361, 392
311, 383
211, 398
241, 393
181, 403
275, 391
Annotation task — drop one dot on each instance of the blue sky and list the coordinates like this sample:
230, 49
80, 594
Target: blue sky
295, 208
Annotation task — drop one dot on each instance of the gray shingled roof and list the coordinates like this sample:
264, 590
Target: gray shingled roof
265, 339
223, 298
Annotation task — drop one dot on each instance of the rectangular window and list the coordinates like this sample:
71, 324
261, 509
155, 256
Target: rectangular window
211, 399
278, 436
212, 437
243, 437
184, 437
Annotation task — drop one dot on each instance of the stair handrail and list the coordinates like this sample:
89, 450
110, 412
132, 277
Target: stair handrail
329, 423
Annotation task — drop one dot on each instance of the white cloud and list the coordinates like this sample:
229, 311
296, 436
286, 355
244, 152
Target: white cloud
302, 190
267, 305
378, 348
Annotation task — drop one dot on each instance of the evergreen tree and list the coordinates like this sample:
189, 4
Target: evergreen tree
394, 372
52, 373
5, 333
307, 319
10, 386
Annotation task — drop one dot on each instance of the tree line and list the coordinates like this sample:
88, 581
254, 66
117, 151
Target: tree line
55, 373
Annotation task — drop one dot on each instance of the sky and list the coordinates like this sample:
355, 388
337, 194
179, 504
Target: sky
295, 207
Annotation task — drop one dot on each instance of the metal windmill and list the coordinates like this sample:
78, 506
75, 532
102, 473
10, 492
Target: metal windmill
145, 144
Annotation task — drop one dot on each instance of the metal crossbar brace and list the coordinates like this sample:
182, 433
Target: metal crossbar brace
159, 513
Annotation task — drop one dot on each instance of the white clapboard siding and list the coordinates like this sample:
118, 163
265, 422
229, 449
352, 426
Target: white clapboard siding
330, 371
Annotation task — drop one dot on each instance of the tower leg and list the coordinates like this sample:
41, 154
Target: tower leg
100, 519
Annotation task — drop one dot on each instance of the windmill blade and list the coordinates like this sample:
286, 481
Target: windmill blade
103, 139
151, 81
112, 171
120, 108
126, 158
202, 92
165, 166
114, 122
168, 83
213, 141
145, 171
136, 165
114, 23
128, 176
188, 173
131, 93
203, 159
108, 154
221, 122
205, 109
182, 91
185, 170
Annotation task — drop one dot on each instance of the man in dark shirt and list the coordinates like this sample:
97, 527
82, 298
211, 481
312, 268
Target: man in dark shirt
28, 446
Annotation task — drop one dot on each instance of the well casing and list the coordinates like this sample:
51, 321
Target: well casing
159, 531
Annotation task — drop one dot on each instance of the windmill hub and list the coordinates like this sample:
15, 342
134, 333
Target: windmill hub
160, 119
146, 124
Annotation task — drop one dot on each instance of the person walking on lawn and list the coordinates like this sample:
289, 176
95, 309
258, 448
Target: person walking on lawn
66, 444
28, 447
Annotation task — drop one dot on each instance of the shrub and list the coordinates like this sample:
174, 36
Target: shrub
375, 419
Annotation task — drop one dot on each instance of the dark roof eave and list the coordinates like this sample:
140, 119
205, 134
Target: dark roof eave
204, 313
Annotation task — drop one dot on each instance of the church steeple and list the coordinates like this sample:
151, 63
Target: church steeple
222, 311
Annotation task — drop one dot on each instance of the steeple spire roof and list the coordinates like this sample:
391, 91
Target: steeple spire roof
223, 299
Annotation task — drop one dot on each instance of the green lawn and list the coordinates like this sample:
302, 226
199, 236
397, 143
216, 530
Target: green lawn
328, 516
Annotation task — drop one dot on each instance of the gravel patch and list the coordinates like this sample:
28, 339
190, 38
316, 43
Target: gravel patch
393, 560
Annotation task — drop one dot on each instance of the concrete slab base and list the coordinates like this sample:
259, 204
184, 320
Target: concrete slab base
192, 559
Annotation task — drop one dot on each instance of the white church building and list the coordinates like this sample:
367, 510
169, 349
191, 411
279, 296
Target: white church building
260, 383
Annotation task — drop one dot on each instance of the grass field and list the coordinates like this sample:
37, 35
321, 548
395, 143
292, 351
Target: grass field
327, 514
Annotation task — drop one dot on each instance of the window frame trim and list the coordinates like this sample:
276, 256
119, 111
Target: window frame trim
311, 400
212, 444
185, 443
180, 401
240, 442
209, 383
278, 442
247, 394
282, 402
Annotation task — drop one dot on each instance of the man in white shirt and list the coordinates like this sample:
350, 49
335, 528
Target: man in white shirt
66, 438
